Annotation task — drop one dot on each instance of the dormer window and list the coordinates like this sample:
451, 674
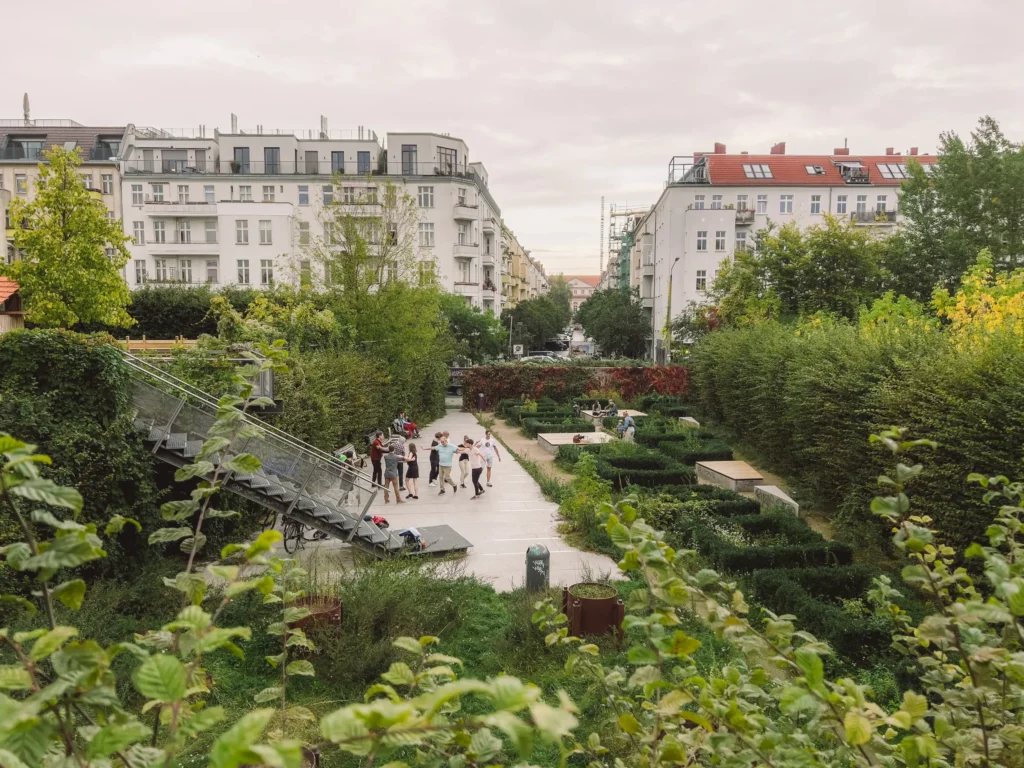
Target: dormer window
893, 171
814, 170
29, 148
757, 171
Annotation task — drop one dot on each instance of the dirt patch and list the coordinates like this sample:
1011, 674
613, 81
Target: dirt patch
528, 449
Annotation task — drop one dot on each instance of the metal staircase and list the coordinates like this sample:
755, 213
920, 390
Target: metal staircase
297, 480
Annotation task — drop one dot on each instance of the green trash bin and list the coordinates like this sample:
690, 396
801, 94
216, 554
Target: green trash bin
538, 568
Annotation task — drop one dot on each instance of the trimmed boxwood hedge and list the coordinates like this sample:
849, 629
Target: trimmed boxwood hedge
803, 546
651, 470
611, 422
705, 450
534, 427
814, 596
653, 434
648, 403
517, 415
568, 455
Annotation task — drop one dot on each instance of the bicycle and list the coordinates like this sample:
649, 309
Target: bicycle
294, 534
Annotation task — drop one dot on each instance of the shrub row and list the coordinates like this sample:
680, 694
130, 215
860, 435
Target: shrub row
534, 427
691, 453
652, 470
565, 382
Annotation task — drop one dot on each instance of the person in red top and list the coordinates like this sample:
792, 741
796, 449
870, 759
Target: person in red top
376, 454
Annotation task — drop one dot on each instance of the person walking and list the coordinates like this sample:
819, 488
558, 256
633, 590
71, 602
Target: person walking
412, 471
476, 460
376, 454
464, 460
399, 442
489, 446
434, 467
391, 475
445, 451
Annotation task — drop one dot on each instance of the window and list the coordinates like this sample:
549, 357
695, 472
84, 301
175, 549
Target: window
108, 183
268, 193
305, 273
303, 194
814, 170
185, 270
208, 195
245, 193
702, 240
741, 203
928, 168
716, 202
409, 165
110, 216
880, 203
757, 171
241, 161
815, 203
211, 230
328, 194
183, 193
463, 234
160, 270
785, 203
426, 235
243, 271
303, 233
159, 232
266, 234
242, 232
136, 194
86, 180
140, 271
893, 171
139, 232
447, 161
266, 271
841, 204
348, 195
370, 195
698, 202
862, 203
158, 192
211, 271
720, 240
426, 272
337, 162
741, 241
462, 195
363, 162
21, 184
702, 279
426, 197
271, 159
762, 203
184, 231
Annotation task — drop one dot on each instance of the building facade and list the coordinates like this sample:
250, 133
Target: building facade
523, 277
247, 207
715, 203
581, 288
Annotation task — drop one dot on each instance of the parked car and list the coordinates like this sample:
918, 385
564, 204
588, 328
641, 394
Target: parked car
540, 356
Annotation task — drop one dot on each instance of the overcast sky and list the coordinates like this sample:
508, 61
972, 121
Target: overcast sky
563, 100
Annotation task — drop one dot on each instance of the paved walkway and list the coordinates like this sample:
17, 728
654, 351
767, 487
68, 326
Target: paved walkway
508, 518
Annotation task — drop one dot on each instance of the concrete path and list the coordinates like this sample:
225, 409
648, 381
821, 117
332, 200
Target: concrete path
508, 518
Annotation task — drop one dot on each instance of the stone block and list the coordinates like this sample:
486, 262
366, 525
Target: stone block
688, 422
769, 496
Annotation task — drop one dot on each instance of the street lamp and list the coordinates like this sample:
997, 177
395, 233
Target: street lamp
666, 333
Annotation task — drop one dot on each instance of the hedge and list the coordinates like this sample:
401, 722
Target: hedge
652, 470
803, 546
687, 453
648, 403
815, 595
565, 382
568, 455
534, 427
541, 414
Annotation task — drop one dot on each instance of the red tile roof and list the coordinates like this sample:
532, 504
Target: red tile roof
790, 170
7, 288
594, 280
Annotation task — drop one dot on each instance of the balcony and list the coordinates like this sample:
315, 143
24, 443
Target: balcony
180, 209
488, 257
466, 250
174, 248
873, 217
648, 267
855, 174
647, 302
744, 216
31, 154
489, 225
466, 212
253, 168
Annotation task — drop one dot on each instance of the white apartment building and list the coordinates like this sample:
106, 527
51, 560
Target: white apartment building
581, 288
241, 208
714, 203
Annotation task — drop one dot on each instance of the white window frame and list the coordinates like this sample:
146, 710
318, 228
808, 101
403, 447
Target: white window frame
245, 193
185, 267
107, 180
303, 194
139, 232
862, 204
209, 195
841, 204
268, 193
184, 231
741, 241
702, 280
159, 232
266, 271
183, 193
785, 203
243, 271
141, 272
815, 203
716, 202
303, 233
762, 203
157, 191
719, 239
881, 204
212, 271
138, 195
266, 232
426, 232
742, 202
20, 184
757, 171
702, 239
211, 230
328, 193
241, 232
698, 202
425, 196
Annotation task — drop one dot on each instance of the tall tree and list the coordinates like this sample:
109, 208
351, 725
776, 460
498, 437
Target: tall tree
476, 336
615, 319
71, 254
533, 322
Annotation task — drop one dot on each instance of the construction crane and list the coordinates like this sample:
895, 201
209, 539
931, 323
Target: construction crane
600, 260
614, 232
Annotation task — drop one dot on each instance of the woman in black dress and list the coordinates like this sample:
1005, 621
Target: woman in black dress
412, 471
435, 460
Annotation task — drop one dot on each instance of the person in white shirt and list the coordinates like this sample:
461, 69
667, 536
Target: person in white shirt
476, 462
489, 446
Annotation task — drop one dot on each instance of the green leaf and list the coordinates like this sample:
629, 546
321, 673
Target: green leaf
696, 720
243, 463
399, 674
10, 760
196, 469
17, 554
48, 492
48, 518
178, 511
117, 523
165, 535
858, 728
20, 602
268, 694
410, 644
202, 720
222, 513
300, 668
552, 722
160, 678
915, 705
619, 534
239, 587
629, 724
196, 542
484, 745
14, 678
811, 665
642, 655
263, 543
232, 748
71, 593
50, 642
115, 737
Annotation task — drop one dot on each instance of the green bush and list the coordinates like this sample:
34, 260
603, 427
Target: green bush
504, 408
774, 539
650, 403
544, 414
650, 470
534, 427
691, 453
567, 455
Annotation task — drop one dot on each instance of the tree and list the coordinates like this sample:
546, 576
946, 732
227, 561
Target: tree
534, 321
476, 336
615, 319
972, 199
694, 322
71, 254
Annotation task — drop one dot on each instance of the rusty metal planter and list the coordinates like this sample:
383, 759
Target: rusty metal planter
322, 610
593, 615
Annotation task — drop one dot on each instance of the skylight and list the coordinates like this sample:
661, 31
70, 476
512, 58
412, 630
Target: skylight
815, 170
893, 171
757, 171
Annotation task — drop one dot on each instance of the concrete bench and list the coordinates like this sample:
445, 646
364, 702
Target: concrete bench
688, 422
595, 417
770, 496
550, 441
733, 475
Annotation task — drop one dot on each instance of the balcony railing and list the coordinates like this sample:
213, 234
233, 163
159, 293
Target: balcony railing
18, 152
174, 208
855, 175
744, 215
873, 217
223, 167
466, 250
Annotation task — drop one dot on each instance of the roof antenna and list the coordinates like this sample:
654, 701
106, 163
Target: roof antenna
846, 144
24, 106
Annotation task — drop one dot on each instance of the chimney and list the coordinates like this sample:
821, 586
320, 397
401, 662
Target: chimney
913, 151
744, 152
890, 151
841, 151
234, 123
779, 149
323, 126
697, 156
719, 148
27, 111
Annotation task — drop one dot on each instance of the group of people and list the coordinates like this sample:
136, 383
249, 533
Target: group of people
396, 463
597, 410
626, 428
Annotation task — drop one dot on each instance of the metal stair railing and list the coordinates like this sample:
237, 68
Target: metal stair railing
275, 448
